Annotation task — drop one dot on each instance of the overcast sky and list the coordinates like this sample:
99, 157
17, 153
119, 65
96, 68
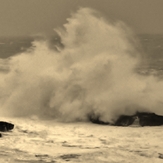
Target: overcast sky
28, 17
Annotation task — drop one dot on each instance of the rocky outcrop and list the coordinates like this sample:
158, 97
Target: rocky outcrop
5, 126
149, 119
96, 119
125, 120
144, 119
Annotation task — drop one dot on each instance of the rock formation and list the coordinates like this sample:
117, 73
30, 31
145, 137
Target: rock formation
5, 126
96, 119
144, 118
149, 119
125, 120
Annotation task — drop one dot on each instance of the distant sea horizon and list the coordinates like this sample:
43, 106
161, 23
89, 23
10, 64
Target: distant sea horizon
151, 47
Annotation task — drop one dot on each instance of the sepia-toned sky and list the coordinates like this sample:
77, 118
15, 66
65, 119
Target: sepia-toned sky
29, 17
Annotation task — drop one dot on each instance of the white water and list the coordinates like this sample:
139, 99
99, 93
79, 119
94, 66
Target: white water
36, 141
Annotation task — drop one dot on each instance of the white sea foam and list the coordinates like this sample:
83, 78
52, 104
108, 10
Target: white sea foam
34, 140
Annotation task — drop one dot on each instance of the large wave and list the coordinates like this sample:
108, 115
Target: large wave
93, 73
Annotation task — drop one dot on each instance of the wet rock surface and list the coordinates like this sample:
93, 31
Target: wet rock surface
6, 126
96, 119
150, 119
144, 118
125, 120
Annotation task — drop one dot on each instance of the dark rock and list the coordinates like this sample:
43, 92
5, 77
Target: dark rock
149, 119
144, 118
125, 120
5, 126
96, 119
0, 135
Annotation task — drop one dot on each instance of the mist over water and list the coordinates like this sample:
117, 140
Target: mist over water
93, 73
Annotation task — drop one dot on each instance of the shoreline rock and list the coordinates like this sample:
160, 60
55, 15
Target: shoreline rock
144, 118
96, 119
150, 119
6, 126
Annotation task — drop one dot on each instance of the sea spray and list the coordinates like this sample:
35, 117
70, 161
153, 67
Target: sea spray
93, 72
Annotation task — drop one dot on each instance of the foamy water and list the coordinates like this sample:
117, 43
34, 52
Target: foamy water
35, 141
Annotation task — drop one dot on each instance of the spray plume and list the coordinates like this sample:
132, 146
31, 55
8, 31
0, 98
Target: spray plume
93, 74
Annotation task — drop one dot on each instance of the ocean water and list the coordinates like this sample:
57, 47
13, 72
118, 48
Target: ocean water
37, 141
49, 87
10, 46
